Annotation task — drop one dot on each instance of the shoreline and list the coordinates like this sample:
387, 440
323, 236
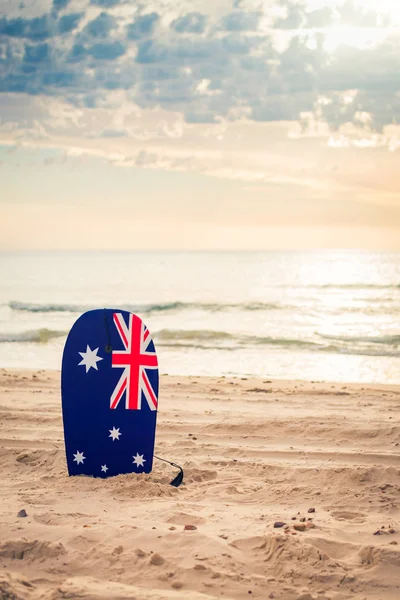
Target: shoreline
274, 381
323, 458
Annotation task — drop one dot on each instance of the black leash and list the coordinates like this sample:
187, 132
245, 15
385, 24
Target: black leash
176, 482
108, 347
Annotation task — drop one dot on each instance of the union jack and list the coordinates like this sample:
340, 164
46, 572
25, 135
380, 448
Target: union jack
135, 360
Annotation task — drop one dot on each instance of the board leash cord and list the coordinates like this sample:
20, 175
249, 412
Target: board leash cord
108, 347
176, 482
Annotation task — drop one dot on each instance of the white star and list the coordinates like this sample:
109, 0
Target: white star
114, 433
104, 468
89, 358
78, 457
139, 460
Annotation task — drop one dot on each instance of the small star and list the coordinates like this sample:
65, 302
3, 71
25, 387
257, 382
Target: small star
89, 358
114, 433
78, 457
104, 468
139, 460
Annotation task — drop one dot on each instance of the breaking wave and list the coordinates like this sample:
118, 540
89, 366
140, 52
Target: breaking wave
203, 339
357, 286
149, 308
207, 340
390, 340
47, 308
41, 336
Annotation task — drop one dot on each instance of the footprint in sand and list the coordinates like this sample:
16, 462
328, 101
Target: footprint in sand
34, 550
182, 518
55, 519
344, 515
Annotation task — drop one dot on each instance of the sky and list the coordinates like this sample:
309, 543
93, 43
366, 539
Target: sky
199, 124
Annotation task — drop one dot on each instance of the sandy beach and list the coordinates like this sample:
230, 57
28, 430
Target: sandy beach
322, 459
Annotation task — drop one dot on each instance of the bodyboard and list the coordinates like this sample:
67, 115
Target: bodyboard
109, 389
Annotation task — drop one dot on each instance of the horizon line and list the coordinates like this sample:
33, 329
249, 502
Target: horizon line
193, 250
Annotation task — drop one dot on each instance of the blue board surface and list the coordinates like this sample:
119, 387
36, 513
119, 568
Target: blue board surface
109, 386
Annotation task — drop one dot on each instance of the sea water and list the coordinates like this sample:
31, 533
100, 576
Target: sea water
315, 315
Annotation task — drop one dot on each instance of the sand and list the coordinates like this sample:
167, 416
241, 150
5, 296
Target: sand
316, 456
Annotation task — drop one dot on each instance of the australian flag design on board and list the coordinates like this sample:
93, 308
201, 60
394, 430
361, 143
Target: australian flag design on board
109, 394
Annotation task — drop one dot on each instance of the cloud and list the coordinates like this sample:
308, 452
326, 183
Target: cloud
59, 78
151, 51
173, 93
193, 22
37, 29
105, 3
113, 133
197, 50
107, 51
240, 21
237, 44
13, 27
40, 28
322, 17
68, 23
351, 13
210, 64
143, 26
265, 178
199, 117
156, 73
108, 78
281, 107
373, 70
77, 53
101, 25
294, 19
14, 83
37, 53
241, 151
60, 5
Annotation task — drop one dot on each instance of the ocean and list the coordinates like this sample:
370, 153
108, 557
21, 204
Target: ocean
314, 315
